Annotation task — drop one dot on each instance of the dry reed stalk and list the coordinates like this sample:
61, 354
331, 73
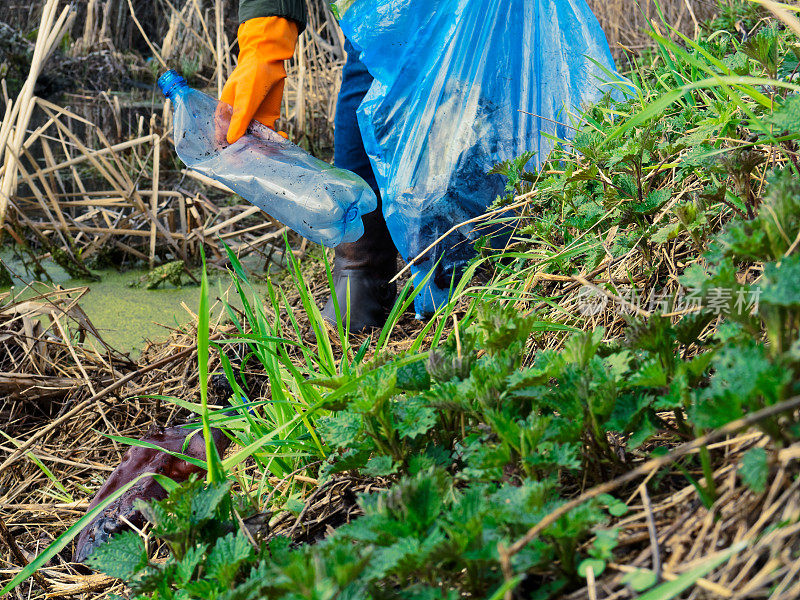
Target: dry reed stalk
154, 197
150, 45
218, 55
15, 125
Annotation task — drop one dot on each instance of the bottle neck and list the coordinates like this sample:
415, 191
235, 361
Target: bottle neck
172, 84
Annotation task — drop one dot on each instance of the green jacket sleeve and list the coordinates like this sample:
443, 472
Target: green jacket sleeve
289, 9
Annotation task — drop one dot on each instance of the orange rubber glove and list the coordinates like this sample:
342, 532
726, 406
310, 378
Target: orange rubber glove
255, 88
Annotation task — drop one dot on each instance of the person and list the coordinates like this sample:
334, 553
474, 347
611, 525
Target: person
267, 36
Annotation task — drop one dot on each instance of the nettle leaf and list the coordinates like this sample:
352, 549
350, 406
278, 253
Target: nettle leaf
341, 430
385, 560
603, 389
643, 431
650, 374
618, 364
501, 327
350, 459
507, 428
755, 469
782, 283
667, 232
564, 456
699, 364
189, 505
702, 155
227, 555
629, 416
576, 522
186, 567
711, 412
676, 395
763, 47
416, 502
627, 151
654, 200
523, 504
626, 409
123, 556
589, 173
414, 417
566, 398
414, 377
546, 364
779, 216
582, 347
376, 388
587, 215
418, 463
380, 466
205, 503
745, 240
202, 588
738, 63
787, 116
588, 142
487, 381
164, 522
694, 277
371, 529
744, 372
700, 135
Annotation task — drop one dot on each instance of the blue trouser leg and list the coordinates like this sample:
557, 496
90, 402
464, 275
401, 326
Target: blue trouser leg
349, 150
374, 249
368, 263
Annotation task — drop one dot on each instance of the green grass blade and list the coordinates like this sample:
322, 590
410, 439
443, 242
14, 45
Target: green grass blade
671, 589
216, 474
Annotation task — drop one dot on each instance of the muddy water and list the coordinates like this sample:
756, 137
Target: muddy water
126, 316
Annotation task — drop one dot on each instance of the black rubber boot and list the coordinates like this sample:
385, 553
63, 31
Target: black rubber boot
371, 262
368, 264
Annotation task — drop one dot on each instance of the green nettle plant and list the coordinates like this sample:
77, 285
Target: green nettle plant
473, 459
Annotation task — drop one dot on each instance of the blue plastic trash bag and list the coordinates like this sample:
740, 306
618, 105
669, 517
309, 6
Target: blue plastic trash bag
460, 86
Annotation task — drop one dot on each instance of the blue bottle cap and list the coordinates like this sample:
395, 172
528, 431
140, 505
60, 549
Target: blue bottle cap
170, 82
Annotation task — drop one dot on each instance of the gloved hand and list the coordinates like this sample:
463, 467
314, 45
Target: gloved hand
255, 88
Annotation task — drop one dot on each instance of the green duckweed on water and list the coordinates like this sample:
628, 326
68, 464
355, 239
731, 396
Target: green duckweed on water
125, 314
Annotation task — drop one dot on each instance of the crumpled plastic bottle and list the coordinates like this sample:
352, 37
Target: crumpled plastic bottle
317, 200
